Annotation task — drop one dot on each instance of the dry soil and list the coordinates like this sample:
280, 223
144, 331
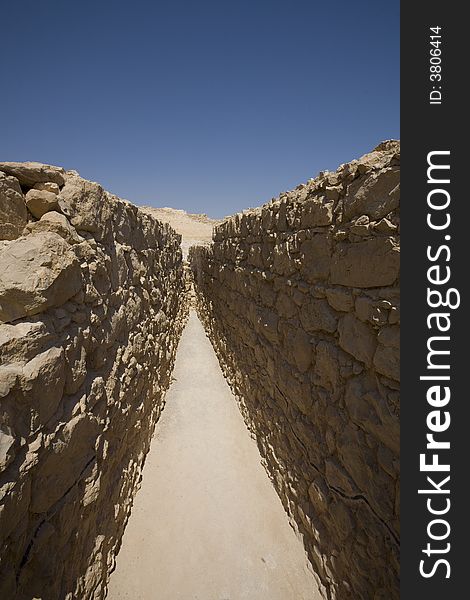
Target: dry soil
207, 523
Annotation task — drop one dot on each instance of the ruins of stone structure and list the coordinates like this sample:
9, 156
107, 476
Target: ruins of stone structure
92, 303
300, 299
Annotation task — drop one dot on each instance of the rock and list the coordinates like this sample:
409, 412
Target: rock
337, 477
285, 306
390, 336
57, 223
387, 361
86, 205
30, 173
360, 226
39, 202
302, 350
9, 377
22, 341
340, 299
73, 449
13, 213
7, 442
43, 382
36, 273
316, 212
326, 367
368, 409
375, 196
316, 257
47, 186
366, 264
385, 226
266, 324
316, 315
319, 494
357, 338
342, 518
364, 307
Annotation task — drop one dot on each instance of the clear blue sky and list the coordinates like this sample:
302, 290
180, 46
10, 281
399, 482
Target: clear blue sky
210, 106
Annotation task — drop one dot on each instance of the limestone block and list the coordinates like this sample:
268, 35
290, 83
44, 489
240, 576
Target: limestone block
340, 299
30, 173
285, 306
368, 408
87, 206
367, 264
375, 196
43, 381
387, 355
316, 212
326, 366
266, 322
316, 257
39, 202
13, 213
36, 273
72, 451
317, 315
357, 338
301, 350
57, 223
387, 361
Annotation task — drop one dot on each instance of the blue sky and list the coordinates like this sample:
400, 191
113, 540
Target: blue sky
207, 106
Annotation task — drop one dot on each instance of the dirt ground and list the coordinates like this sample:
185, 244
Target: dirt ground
207, 523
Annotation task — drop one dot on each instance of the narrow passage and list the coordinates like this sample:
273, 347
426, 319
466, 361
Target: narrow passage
207, 523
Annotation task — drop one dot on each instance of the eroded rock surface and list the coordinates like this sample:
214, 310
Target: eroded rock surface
92, 303
301, 300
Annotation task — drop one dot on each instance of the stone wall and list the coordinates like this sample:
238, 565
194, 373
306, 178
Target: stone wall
301, 301
92, 303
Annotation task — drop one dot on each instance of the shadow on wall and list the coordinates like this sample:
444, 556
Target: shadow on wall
301, 301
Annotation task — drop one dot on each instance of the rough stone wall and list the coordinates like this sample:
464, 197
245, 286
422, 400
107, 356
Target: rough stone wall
92, 303
301, 300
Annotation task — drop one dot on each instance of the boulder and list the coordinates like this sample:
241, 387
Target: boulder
39, 202
36, 272
86, 205
30, 173
387, 362
54, 221
13, 213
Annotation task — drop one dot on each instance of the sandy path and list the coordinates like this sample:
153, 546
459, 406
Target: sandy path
207, 523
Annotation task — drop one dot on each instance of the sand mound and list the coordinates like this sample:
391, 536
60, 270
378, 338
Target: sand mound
196, 229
